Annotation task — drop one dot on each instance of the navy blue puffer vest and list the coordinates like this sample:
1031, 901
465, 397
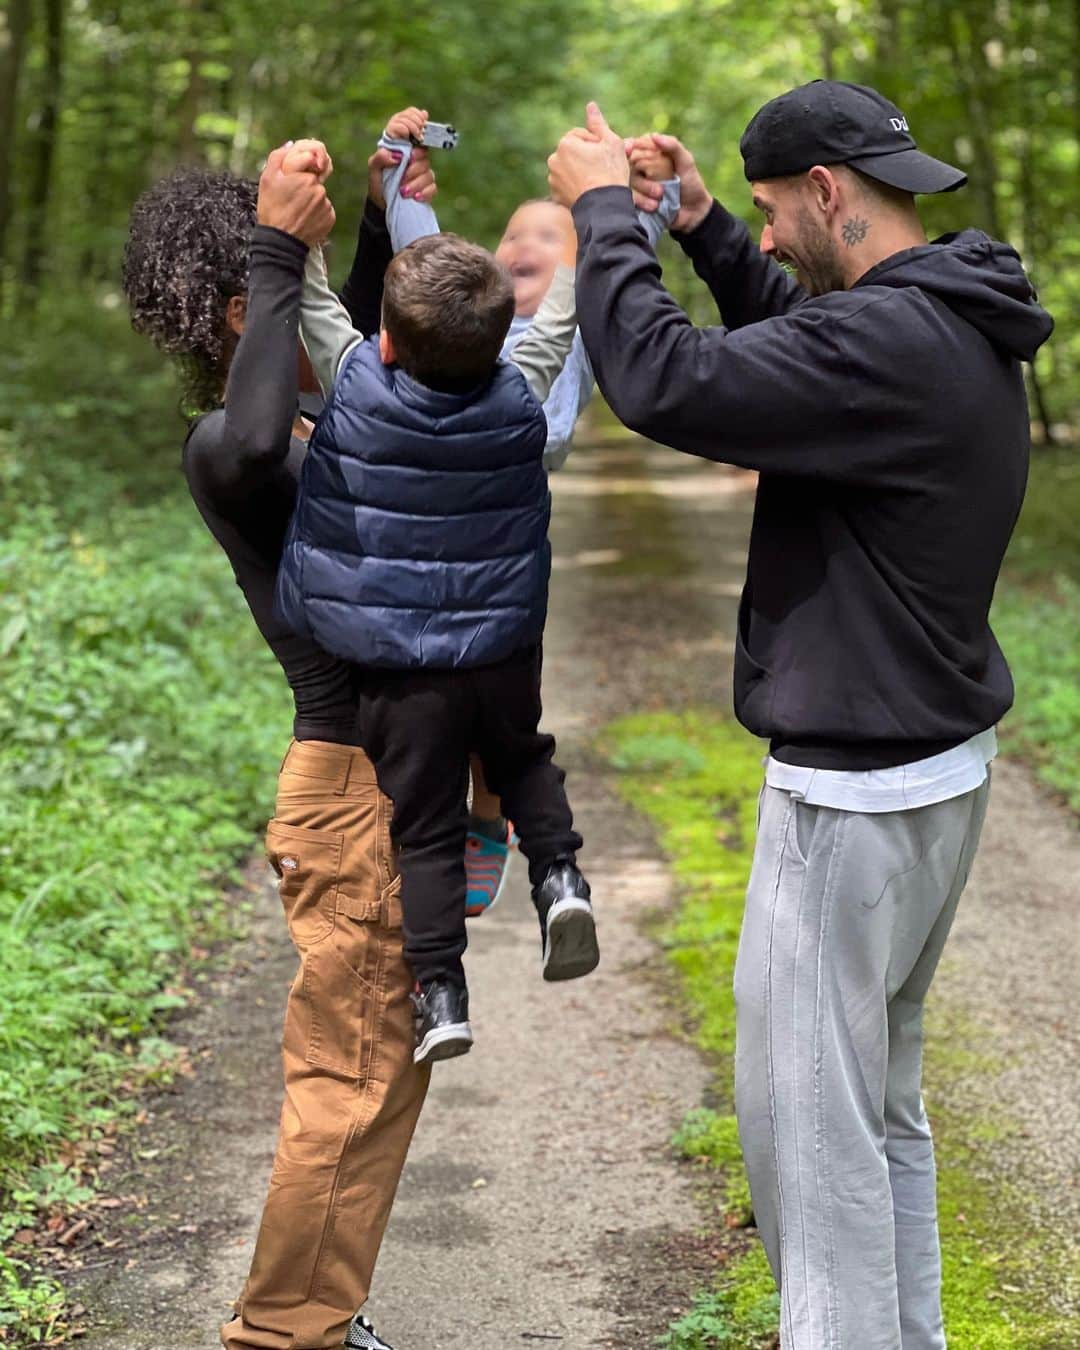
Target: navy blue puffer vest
420, 532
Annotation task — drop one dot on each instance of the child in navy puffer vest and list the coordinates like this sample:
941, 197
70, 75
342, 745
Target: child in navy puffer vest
394, 556
418, 549
533, 240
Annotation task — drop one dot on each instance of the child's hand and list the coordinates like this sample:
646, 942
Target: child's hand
408, 124
649, 167
418, 183
647, 159
569, 253
308, 156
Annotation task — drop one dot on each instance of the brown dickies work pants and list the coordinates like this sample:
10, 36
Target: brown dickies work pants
352, 1092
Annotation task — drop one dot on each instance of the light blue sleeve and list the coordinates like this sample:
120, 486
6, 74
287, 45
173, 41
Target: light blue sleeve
406, 219
571, 392
574, 388
656, 222
567, 401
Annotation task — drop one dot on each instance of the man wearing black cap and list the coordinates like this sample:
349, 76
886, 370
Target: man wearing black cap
879, 394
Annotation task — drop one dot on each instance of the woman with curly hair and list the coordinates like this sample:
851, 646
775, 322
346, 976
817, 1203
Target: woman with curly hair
212, 273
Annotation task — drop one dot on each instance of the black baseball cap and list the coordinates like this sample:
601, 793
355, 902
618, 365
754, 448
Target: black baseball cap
831, 122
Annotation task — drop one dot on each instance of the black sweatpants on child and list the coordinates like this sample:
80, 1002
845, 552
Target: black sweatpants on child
419, 728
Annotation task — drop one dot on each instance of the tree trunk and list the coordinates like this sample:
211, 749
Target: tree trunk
45, 147
107, 185
187, 145
966, 48
1029, 198
887, 55
828, 51
1075, 44
13, 27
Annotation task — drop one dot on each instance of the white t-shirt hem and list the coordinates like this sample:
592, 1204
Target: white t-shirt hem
902, 788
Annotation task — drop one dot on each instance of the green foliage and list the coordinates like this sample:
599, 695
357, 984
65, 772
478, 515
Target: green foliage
1036, 617
148, 84
741, 1314
141, 718
712, 1139
1045, 543
1040, 635
31, 1304
657, 753
695, 776
705, 1135
983, 85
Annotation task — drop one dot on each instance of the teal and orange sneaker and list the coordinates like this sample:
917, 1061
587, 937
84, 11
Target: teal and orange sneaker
486, 867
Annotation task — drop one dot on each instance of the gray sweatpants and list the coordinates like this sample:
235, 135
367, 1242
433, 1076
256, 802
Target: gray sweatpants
846, 917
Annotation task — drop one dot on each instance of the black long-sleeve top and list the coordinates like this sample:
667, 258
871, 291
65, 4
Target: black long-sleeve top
890, 428
242, 461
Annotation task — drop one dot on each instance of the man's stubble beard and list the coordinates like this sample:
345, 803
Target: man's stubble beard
819, 261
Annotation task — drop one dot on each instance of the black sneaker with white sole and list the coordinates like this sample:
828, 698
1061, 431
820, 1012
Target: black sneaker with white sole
362, 1336
567, 926
441, 1016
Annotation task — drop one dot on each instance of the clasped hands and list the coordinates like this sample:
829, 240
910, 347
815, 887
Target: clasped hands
594, 156
292, 187
293, 196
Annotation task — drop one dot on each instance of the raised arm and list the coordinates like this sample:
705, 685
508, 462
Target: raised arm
325, 326
363, 289
409, 212
568, 399
656, 223
572, 390
261, 390
395, 168
746, 285
655, 185
751, 396
542, 352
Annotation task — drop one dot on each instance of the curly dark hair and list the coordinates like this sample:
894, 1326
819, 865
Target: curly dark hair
186, 255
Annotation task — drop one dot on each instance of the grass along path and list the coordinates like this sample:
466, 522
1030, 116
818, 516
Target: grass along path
1036, 617
696, 776
141, 720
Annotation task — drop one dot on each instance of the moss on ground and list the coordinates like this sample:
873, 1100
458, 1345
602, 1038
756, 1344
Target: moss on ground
696, 776
1036, 617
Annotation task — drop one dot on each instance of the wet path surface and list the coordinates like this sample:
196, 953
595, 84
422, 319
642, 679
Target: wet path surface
540, 1204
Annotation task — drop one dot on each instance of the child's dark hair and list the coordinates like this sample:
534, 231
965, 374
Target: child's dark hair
186, 255
447, 306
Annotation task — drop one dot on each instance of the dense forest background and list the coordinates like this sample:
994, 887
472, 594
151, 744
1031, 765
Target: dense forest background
141, 716
97, 98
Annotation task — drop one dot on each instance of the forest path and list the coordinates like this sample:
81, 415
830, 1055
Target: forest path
540, 1203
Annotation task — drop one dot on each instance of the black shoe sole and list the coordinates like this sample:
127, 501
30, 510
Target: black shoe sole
444, 1043
571, 950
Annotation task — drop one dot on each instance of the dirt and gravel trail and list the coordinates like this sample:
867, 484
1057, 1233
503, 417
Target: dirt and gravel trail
540, 1204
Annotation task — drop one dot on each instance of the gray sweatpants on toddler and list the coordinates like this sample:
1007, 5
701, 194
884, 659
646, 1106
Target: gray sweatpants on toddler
846, 917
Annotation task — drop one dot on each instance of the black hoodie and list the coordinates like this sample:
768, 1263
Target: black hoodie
890, 427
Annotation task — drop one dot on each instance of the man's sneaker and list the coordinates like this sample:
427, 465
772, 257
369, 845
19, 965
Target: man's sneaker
441, 1017
567, 926
362, 1336
487, 865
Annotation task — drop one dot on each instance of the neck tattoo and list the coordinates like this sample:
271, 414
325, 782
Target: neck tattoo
855, 231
